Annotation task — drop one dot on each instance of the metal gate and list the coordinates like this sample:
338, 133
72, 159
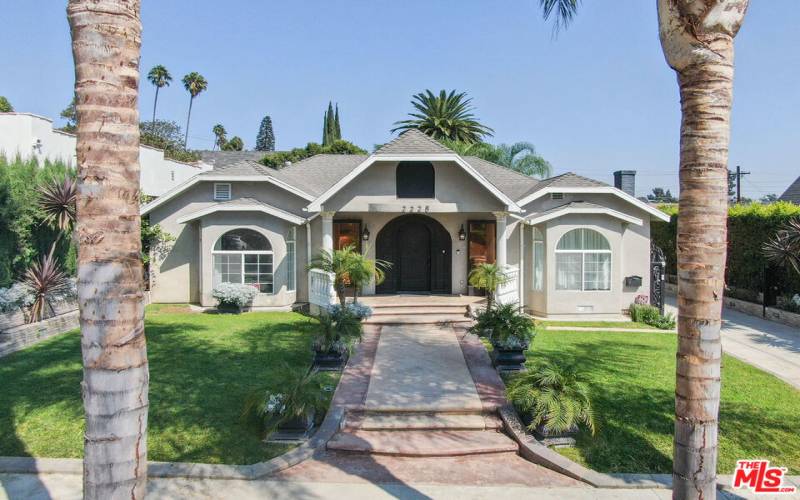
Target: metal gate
658, 265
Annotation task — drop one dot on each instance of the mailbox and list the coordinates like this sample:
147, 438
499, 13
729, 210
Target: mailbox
633, 281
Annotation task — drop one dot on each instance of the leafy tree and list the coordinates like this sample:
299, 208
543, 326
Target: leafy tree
5, 106
194, 83
266, 137
769, 198
659, 195
445, 116
160, 77
220, 135
235, 144
70, 114
278, 160
166, 135
520, 156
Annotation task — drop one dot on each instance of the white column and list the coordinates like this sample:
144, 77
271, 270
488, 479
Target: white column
327, 231
502, 254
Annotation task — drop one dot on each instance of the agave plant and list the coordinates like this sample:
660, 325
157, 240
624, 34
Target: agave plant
555, 399
45, 281
57, 200
784, 248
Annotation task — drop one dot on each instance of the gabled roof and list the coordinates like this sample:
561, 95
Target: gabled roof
580, 207
243, 205
792, 193
567, 180
510, 182
221, 159
316, 174
413, 142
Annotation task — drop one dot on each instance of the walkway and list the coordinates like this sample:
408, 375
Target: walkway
767, 345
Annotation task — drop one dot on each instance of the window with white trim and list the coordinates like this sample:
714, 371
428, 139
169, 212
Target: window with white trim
222, 191
243, 256
291, 260
583, 261
537, 280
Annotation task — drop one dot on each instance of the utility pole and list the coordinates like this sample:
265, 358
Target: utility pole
739, 175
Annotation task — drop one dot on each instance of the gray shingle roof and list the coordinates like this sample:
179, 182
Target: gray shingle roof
413, 142
568, 179
792, 193
511, 183
221, 159
316, 174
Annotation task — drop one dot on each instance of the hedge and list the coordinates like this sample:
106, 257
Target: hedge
749, 226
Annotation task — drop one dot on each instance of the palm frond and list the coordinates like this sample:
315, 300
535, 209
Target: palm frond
562, 11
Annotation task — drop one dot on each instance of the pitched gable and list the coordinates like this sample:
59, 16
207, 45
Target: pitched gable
413, 142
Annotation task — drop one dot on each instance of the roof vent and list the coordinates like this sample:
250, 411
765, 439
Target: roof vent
222, 191
556, 196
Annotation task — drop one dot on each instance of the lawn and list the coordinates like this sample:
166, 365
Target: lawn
597, 324
633, 379
202, 368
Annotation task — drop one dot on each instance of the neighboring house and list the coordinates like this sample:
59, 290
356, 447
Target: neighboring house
417, 204
792, 193
29, 135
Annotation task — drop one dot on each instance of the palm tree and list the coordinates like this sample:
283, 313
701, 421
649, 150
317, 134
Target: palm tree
106, 43
697, 41
339, 263
488, 277
520, 156
361, 270
446, 116
160, 77
194, 83
220, 134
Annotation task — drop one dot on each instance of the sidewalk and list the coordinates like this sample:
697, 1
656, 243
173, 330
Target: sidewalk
769, 346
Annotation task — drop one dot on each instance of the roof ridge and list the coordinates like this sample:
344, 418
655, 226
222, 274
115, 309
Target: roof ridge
410, 135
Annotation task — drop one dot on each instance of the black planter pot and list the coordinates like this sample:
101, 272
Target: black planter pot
295, 429
330, 361
508, 360
228, 308
550, 438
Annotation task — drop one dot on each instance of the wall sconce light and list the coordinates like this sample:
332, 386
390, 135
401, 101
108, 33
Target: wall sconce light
462, 235
365, 234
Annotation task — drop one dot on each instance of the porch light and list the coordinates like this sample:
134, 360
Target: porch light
462, 235
365, 234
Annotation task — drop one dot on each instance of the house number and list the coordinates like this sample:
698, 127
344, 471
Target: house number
418, 209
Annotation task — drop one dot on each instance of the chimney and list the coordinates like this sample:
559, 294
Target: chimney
626, 181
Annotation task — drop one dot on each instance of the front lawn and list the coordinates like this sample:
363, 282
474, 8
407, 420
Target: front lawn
202, 367
622, 325
633, 384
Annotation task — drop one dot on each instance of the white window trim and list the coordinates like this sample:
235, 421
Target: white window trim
583, 254
537, 287
293, 241
243, 253
230, 191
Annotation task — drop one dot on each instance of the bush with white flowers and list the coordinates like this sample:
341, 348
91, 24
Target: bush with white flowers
15, 297
360, 311
274, 404
234, 294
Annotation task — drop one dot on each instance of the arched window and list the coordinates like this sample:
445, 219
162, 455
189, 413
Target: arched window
243, 256
415, 179
583, 261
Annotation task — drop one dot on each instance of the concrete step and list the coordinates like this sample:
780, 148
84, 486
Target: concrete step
394, 310
416, 443
417, 319
378, 421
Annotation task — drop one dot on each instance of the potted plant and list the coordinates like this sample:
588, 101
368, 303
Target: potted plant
510, 333
291, 412
341, 328
233, 297
488, 277
350, 268
553, 401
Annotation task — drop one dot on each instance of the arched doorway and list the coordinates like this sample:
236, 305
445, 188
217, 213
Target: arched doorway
419, 249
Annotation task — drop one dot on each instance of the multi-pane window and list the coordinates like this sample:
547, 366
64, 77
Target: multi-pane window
291, 261
583, 261
538, 260
243, 256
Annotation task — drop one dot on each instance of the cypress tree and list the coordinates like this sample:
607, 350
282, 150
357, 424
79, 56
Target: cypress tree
330, 126
336, 126
325, 138
265, 141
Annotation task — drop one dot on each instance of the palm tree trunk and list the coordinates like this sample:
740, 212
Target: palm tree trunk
106, 41
698, 43
188, 117
155, 103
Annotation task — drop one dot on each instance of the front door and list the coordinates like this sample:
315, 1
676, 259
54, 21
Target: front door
414, 252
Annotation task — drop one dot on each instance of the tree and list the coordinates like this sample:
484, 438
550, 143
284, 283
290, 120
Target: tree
220, 135
337, 127
235, 144
520, 156
769, 198
659, 195
337, 262
488, 277
362, 270
279, 160
5, 106
446, 116
266, 138
106, 43
329, 127
194, 83
160, 77
71, 116
166, 135
697, 41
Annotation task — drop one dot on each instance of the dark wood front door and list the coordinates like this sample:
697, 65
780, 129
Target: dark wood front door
419, 249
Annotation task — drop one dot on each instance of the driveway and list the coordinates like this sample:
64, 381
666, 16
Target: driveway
770, 346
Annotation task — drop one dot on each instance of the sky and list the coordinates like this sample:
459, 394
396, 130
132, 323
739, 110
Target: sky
598, 97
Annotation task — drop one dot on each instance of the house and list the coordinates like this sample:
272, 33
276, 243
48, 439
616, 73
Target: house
567, 242
792, 193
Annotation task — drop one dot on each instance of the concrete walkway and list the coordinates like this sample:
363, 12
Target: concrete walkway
769, 346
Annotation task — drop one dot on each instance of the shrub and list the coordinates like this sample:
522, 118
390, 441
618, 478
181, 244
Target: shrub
15, 297
234, 294
645, 313
340, 147
787, 303
360, 311
505, 327
553, 398
341, 328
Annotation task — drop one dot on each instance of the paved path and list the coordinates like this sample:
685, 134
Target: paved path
767, 345
420, 368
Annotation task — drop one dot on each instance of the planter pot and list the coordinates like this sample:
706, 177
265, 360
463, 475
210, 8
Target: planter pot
330, 361
550, 438
508, 360
295, 429
229, 308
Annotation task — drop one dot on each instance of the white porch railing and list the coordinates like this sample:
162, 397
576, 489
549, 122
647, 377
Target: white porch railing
321, 291
508, 293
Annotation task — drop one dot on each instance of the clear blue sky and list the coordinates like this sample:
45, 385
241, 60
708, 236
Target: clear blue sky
597, 98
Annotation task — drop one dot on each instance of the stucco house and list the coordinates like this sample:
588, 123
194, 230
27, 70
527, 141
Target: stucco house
570, 244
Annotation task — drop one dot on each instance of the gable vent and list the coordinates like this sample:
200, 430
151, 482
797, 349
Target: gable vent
556, 196
222, 191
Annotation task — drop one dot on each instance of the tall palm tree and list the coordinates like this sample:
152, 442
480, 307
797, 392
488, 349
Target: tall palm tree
160, 77
194, 83
106, 43
697, 41
220, 135
445, 116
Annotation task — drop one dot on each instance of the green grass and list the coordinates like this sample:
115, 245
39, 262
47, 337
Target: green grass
202, 368
597, 324
632, 376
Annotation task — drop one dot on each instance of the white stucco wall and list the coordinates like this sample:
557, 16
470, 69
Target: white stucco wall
29, 135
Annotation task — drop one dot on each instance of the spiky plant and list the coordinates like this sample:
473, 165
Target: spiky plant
445, 116
361, 270
554, 397
45, 280
57, 200
784, 248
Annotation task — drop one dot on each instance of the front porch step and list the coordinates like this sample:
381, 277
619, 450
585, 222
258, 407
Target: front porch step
379, 421
402, 310
417, 443
417, 319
